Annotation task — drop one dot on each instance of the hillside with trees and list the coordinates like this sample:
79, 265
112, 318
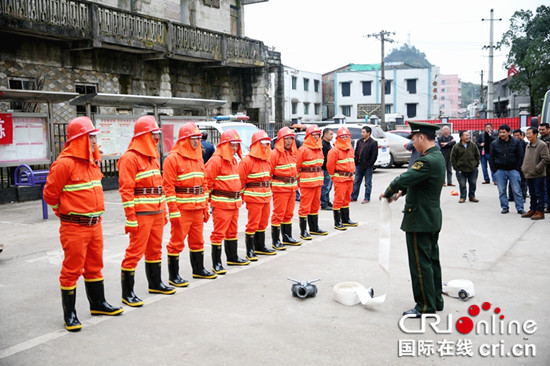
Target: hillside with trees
409, 55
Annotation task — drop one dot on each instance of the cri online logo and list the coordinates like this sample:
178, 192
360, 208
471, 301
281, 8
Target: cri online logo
466, 325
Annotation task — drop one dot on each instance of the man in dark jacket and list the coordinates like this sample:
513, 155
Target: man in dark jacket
506, 157
446, 143
465, 160
521, 137
327, 182
483, 142
207, 148
366, 153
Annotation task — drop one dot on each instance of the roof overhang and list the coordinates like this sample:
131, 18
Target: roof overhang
35, 96
130, 100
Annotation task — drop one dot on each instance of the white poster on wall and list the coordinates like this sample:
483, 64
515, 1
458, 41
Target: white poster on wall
30, 142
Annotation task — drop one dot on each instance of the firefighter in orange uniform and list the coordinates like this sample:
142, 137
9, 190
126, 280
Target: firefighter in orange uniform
284, 185
254, 171
73, 189
224, 185
309, 164
140, 186
185, 187
341, 167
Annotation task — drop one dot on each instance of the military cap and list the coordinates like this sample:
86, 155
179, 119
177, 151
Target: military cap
421, 127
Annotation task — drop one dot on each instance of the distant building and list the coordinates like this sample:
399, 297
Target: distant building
508, 103
449, 96
302, 96
354, 90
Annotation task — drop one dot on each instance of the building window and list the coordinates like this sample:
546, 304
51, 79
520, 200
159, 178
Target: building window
21, 84
411, 110
442, 97
212, 3
411, 86
388, 108
443, 90
294, 108
317, 107
85, 89
306, 108
346, 89
294, 82
316, 86
443, 82
388, 86
367, 87
346, 110
306, 84
442, 106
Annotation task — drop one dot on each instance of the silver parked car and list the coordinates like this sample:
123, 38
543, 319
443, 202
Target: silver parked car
399, 155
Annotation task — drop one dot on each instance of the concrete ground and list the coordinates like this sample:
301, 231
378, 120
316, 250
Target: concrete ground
249, 316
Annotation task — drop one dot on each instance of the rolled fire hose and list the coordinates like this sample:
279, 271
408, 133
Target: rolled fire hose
351, 293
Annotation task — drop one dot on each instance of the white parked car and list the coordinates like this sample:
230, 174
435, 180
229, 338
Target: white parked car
216, 128
384, 156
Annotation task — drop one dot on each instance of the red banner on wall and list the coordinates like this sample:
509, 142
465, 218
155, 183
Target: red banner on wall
6, 129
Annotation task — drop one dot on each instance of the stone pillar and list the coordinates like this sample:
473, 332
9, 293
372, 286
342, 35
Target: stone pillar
279, 94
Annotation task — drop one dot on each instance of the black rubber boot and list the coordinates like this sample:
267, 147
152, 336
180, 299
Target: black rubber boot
314, 229
276, 238
152, 270
217, 266
128, 295
345, 217
197, 263
338, 220
95, 291
287, 235
68, 299
231, 253
304, 234
249, 240
259, 244
174, 277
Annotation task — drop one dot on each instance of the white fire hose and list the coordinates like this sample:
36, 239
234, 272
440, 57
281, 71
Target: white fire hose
351, 293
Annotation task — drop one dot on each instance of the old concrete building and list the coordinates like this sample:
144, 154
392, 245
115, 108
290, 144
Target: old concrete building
173, 48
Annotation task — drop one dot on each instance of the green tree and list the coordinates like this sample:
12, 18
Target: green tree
529, 42
468, 92
409, 55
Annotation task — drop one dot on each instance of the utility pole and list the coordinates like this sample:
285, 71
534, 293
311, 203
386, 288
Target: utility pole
481, 89
383, 37
490, 92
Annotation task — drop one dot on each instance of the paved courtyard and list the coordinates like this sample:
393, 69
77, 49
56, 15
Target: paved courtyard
249, 317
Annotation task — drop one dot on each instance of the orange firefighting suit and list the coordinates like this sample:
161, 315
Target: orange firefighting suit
254, 171
284, 182
186, 196
309, 162
140, 186
341, 167
224, 185
73, 189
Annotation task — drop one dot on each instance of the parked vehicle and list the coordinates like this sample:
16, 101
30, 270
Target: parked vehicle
217, 127
402, 133
377, 134
399, 155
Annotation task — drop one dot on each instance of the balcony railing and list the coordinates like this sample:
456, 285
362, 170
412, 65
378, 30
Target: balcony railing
106, 26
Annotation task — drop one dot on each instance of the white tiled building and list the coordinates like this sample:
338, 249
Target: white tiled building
302, 96
354, 90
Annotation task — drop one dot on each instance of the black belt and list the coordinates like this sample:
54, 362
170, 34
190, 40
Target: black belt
344, 173
264, 183
149, 190
311, 169
80, 219
196, 190
285, 179
229, 194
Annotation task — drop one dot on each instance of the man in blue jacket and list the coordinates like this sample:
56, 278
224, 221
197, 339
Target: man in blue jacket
505, 160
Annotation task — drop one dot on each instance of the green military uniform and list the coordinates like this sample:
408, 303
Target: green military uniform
422, 219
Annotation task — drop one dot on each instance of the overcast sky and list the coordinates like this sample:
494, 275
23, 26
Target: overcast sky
322, 35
